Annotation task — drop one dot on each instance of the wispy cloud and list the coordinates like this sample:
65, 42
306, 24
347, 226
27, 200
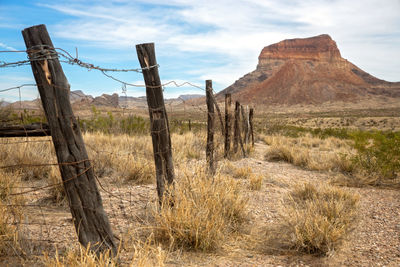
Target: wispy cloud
208, 39
7, 47
235, 31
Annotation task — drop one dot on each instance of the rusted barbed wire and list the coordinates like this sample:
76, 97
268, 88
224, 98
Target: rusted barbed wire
44, 164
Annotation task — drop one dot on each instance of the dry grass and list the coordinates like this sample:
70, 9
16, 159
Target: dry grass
242, 172
206, 210
315, 219
188, 146
56, 190
11, 213
255, 182
311, 152
145, 251
81, 256
28, 154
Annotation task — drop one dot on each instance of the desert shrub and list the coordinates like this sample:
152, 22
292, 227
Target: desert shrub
377, 158
298, 131
310, 152
315, 219
205, 211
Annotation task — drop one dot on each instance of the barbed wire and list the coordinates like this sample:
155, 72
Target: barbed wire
17, 87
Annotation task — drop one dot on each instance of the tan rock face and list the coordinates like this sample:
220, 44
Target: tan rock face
320, 47
307, 71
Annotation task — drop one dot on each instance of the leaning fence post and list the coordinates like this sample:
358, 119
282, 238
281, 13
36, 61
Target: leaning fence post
251, 114
228, 102
90, 220
210, 127
158, 117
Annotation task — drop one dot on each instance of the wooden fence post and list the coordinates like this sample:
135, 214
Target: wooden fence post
90, 220
251, 114
237, 135
210, 127
158, 117
236, 128
228, 102
244, 125
190, 125
219, 114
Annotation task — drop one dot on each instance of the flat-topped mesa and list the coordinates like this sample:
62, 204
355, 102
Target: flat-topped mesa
320, 48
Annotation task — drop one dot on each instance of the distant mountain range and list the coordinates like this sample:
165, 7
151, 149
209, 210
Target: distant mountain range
79, 99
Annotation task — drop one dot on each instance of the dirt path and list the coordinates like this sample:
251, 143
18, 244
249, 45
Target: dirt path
375, 241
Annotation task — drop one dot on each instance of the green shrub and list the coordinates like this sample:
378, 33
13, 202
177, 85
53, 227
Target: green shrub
378, 156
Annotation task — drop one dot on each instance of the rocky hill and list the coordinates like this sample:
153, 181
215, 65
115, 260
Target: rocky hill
307, 71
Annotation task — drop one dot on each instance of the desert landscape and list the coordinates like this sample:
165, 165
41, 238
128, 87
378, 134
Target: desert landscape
318, 187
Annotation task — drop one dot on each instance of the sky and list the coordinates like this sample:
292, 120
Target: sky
194, 40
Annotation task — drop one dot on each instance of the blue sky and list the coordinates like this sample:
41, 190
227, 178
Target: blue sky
195, 40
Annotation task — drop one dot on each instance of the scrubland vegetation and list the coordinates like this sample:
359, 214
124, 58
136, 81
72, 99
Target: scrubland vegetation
366, 157
208, 212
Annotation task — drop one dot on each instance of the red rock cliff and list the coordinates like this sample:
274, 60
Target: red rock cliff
307, 71
320, 47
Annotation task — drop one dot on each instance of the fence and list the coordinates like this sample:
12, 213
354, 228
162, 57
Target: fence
82, 187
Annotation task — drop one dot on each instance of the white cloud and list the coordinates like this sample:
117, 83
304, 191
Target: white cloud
237, 31
7, 47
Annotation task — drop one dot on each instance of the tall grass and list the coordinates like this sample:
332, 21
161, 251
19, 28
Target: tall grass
205, 211
311, 152
315, 219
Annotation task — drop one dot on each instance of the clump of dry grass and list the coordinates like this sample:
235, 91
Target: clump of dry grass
30, 154
56, 190
255, 182
206, 209
127, 158
139, 171
11, 213
145, 251
81, 256
188, 146
242, 172
311, 152
315, 219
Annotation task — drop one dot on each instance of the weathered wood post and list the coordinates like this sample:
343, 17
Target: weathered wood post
190, 125
237, 135
158, 117
244, 125
210, 127
251, 114
219, 114
228, 102
90, 220
236, 128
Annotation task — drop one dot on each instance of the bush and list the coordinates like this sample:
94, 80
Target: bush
205, 211
316, 219
378, 157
